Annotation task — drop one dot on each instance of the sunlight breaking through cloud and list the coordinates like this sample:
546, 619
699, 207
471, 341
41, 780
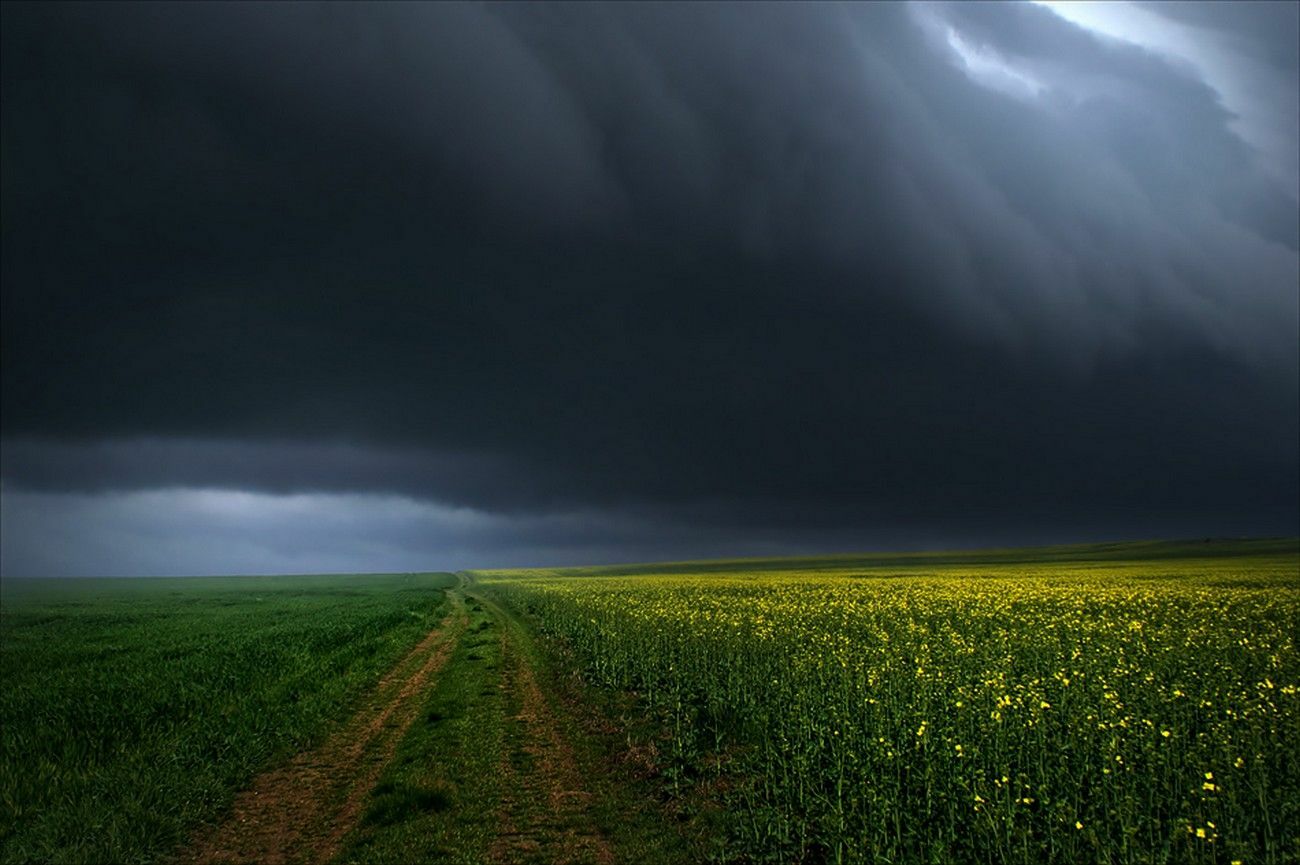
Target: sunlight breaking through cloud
986, 67
1228, 67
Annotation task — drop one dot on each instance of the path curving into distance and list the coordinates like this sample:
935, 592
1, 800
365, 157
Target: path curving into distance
301, 811
539, 818
507, 769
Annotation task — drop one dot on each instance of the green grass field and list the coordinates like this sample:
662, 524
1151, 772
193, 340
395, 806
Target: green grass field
131, 710
1117, 703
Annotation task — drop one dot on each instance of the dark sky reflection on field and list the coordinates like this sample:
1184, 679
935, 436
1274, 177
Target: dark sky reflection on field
394, 287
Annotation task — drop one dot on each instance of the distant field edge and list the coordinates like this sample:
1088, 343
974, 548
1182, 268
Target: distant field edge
1145, 550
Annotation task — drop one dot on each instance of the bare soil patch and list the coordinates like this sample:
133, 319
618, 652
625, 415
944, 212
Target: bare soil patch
542, 813
301, 811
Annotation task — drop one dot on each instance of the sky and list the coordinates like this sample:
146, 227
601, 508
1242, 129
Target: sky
308, 287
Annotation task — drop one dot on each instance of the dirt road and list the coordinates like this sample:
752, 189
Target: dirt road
503, 766
540, 818
301, 811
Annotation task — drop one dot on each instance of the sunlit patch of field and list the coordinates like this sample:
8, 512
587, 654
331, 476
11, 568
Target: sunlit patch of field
1122, 703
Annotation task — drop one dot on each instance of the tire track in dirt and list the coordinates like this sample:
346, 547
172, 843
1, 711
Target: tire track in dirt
541, 817
301, 811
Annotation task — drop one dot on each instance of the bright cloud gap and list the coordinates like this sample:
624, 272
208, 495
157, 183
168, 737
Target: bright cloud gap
986, 67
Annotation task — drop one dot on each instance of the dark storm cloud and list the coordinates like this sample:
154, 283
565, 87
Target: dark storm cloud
163, 532
944, 267
274, 467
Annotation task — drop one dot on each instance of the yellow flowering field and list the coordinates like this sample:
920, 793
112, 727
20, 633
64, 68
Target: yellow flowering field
1129, 706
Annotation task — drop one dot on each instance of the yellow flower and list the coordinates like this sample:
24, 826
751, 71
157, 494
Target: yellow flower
1078, 825
1200, 833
